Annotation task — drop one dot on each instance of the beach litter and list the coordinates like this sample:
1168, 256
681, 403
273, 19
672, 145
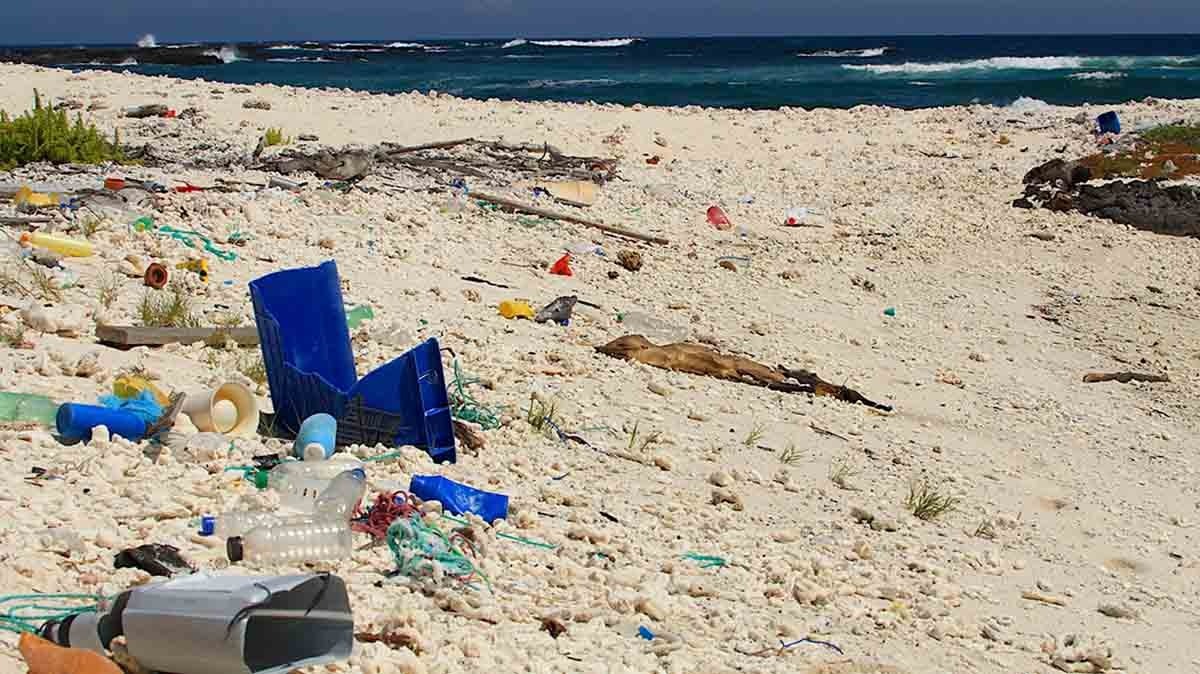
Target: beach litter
458, 498
155, 559
215, 624
717, 218
403, 402
562, 266
44, 657
559, 311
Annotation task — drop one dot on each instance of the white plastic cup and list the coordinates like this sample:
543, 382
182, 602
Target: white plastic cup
230, 409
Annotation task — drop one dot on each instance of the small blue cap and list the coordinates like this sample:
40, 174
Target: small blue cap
208, 525
645, 633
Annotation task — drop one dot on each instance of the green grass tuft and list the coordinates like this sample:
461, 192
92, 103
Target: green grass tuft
1182, 134
47, 134
274, 137
167, 309
927, 501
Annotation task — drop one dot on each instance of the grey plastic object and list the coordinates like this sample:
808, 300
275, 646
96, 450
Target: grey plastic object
204, 624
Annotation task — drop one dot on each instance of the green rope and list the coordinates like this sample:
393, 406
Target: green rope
507, 537
417, 546
384, 457
706, 561
465, 407
185, 236
17, 618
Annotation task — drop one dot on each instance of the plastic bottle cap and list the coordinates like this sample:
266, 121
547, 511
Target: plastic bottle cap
260, 479
314, 451
208, 525
233, 549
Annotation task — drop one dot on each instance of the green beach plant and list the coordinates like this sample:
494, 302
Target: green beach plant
45, 133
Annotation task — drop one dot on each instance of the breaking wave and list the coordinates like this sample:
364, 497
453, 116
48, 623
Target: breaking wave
301, 59
128, 61
848, 53
558, 84
226, 54
147, 41
282, 47
1019, 63
1101, 75
615, 42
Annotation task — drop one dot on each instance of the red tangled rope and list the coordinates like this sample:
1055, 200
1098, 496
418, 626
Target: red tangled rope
388, 507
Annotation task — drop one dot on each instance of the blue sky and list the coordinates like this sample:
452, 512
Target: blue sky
74, 21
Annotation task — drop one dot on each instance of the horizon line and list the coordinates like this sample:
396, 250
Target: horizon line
133, 42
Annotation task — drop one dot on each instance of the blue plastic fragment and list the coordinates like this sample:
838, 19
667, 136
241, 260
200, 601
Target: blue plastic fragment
1109, 123
75, 422
310, 368
208, 525
645, 633
459, 498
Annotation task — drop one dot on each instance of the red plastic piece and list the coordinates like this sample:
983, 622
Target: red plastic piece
717, 218
563, 266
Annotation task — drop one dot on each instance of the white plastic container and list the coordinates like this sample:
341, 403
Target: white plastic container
292, 543
342, 496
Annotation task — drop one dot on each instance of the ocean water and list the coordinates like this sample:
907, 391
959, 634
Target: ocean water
906, 72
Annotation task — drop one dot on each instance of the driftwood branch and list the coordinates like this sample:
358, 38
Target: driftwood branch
1124, 377
554, 215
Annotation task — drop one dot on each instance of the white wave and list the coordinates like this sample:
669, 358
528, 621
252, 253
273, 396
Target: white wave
226, 54
289, 47
129, 61
558, 84
616, 42
406, 45
1100, 75
343, 49
921, 83
182, 46
514, 43
147, 41
1026, 104
849, 53
524, 56
1017, 63
300, 59
353, 44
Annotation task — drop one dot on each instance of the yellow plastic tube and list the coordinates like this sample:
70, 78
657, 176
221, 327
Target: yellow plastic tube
59, 244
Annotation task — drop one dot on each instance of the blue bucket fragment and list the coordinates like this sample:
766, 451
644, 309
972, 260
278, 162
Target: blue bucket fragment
459, 498
310, 368
1109, 123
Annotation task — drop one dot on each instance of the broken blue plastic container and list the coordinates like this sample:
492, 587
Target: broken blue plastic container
310, 368
76, 421
1109, 122
457, 498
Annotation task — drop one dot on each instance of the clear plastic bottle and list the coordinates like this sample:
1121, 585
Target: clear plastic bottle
652, 328
342, 496
299, 483
318, 540
241, 522
335, 503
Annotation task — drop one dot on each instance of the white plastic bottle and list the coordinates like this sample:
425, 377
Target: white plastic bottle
318, 540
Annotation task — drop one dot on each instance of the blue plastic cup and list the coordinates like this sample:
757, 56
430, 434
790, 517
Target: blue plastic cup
75, 422
317, 438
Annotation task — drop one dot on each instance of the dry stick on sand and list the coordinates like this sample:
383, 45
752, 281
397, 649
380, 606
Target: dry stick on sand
1124, 377
553, 215
1044, 598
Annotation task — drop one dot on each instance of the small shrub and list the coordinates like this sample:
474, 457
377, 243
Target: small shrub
45, 133
254, 367
109, 289
927, 501
755, 435
1170, 134
167, 309
274, 137
791, 456
841, 472
540, 415
640, 443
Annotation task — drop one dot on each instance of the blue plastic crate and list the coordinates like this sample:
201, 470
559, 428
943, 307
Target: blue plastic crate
310, 368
